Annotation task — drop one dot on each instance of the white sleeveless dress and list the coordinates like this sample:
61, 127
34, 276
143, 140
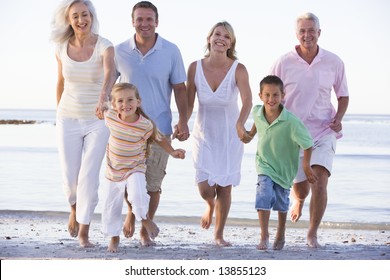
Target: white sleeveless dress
217, 150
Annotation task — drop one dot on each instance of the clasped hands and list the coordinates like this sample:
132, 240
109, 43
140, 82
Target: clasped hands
181, 132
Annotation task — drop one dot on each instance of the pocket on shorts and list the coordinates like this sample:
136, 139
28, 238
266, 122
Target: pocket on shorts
155, 170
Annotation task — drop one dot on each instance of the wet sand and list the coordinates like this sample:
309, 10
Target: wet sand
43, 235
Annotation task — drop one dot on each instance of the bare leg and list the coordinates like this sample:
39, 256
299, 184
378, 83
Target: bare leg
299, 193
264, 234
222, 207
319, 199
280, 233
129, 225
113, 246
208, 194
84, 236
153, 205
73, 225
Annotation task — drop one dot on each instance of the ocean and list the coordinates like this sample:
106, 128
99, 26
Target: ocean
358, 190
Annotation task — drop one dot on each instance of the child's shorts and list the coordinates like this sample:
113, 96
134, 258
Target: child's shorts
270, 195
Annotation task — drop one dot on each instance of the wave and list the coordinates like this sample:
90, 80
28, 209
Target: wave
365, 156
47, 115
237, 222
366, 118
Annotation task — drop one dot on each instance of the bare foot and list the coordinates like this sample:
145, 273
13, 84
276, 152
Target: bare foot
129, 225
278, 244
222, 243
145, 239
263, 245
84, 237
207, 218
73, 225
296, 210
312, 242
84, 243
113, 246
151, 228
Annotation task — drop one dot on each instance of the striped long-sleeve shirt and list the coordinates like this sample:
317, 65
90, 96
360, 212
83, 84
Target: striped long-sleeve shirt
126, 149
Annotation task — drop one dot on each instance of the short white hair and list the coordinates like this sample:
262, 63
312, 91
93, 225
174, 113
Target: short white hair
309, 16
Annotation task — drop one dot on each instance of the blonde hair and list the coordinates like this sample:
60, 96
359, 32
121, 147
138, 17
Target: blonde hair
231, 52
156, 134
62, 30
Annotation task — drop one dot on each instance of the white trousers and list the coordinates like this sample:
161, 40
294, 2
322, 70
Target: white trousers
81, 148
113, 202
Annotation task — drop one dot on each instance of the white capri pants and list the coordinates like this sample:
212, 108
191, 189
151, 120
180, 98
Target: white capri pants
113, 202
81, 148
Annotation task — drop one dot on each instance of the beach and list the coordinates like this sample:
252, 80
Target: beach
29, 235
33, 215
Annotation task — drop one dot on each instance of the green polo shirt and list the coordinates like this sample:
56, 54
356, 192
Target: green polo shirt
279, 144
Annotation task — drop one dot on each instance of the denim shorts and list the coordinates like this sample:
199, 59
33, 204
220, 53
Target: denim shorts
270, 195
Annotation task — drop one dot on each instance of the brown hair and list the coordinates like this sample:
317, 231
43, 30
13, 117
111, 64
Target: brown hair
146, 5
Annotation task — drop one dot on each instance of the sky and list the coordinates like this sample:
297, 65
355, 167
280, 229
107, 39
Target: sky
355, 30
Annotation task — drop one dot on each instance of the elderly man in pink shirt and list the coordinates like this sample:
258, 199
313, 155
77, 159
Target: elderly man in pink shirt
309, 74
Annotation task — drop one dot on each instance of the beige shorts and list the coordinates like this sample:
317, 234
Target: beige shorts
322, 154
156, 166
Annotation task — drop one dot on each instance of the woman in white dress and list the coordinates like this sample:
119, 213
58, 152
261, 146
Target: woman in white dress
218, 79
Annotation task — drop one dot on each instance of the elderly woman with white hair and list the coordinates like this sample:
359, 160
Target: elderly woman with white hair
86, 74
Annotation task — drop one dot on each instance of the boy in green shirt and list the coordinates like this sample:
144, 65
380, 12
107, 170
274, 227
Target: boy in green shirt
281, 135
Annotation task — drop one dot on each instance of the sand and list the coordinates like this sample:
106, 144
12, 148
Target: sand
43, 235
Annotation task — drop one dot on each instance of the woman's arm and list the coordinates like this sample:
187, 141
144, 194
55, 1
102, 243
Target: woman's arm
108, 82
242, 79
60, 80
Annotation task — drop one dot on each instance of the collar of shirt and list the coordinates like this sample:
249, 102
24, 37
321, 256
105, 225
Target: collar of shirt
282, 116
157, 45
316, 59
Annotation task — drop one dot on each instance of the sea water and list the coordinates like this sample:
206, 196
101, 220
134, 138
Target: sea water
358, 190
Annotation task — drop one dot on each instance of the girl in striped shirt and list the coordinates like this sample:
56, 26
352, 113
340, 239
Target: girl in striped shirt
131, 132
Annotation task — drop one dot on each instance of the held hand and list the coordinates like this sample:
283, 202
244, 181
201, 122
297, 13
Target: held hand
179, 153
101, 107
246, 138
243, 134
181, 132
99, 111
175, 132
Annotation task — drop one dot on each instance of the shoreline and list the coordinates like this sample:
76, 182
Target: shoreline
232, 221
28, 235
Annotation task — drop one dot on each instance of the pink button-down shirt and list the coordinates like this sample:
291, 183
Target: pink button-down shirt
308, 88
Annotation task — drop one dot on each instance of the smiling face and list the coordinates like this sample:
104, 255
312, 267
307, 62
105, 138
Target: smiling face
220, 39
272, 96
80, 18
126, 103
308, 34
145, 22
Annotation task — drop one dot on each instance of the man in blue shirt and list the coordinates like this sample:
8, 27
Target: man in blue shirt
155, 66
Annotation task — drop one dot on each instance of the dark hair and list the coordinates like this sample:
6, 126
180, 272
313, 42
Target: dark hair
146, 5
271, 80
